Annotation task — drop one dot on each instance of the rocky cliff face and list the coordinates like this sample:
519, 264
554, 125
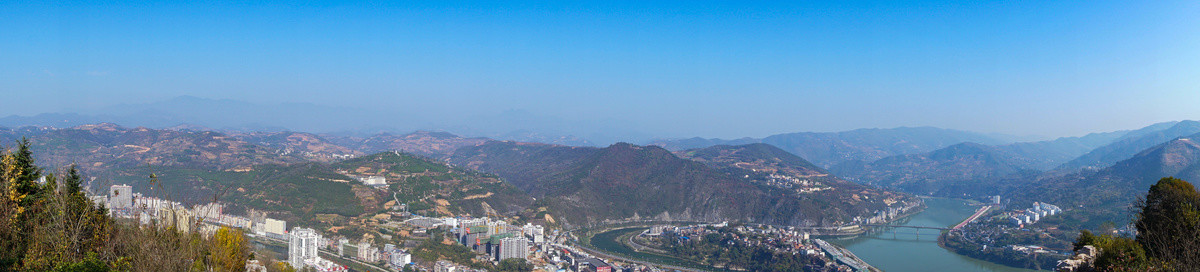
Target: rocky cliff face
1083, 261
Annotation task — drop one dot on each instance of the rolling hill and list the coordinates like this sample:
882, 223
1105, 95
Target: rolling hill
966, 169
591, 185
1131, 144
425, 143
298, 176
755, 157
309, 146
1105, 195
312, 191
826, 149
1046, 155
105, 146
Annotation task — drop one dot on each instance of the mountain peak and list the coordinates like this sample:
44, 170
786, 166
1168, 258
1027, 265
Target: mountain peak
1133, 143
1179, 157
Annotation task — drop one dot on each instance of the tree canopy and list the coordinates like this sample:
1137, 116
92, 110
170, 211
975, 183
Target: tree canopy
54, 226
1168, 232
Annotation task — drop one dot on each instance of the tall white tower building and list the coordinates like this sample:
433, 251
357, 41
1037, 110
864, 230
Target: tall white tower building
513, 247
120, 196
302, 245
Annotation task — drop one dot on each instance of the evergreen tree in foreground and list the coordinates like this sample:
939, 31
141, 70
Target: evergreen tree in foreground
54, 226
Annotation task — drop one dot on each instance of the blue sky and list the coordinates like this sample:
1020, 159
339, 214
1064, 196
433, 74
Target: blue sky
670, 69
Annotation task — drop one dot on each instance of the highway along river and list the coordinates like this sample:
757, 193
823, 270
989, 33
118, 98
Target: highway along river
908, 250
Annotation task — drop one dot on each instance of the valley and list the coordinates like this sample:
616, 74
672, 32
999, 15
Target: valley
336, 184
599, 136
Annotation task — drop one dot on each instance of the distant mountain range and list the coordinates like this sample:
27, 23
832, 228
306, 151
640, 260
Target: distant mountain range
220, 114
943, 172
1105, 195
289, 171
1046, 155
754, 180
1132, 143
108, 146
239, 117
973, 169
590, 185
755, 158
426, 143
300, 175
827, 149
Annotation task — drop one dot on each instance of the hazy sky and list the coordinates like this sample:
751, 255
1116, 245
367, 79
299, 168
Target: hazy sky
687, 68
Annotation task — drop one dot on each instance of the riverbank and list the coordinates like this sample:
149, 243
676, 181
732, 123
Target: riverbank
598, 239
843, 256
1001, 255
603, 254
608, 243
906, 250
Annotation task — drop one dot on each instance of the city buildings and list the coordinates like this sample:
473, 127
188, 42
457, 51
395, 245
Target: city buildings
175, 216
120, 197
101, 201
398, 259
211, 212
341, 246
594, 265
535, 232
513, 247
275, 228
368, 253
1034, 214
445, 266
467, 223
302, 245
323, 265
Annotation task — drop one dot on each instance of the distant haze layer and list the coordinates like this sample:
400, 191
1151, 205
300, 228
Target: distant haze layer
618, 70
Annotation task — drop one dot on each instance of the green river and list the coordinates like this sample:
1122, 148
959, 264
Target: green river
907, 250
904, 250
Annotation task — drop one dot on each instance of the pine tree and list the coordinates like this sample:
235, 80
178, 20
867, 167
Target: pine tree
73, 182
22, 177
24, 159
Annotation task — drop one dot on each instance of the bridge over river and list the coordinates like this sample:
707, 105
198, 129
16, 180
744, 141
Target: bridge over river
904, 252
902, 226
917, 229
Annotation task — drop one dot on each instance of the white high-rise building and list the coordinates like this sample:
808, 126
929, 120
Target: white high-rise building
342, 246
467, 223
275, 228
513, 247
535, 232
398, 259
120, 196
368, 253
211, 211
302, 245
